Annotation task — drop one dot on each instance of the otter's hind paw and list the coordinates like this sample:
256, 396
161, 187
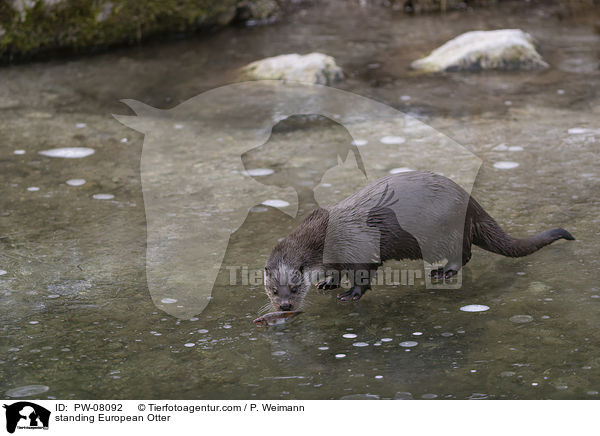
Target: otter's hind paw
441, 274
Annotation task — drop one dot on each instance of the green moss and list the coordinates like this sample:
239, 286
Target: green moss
81, 25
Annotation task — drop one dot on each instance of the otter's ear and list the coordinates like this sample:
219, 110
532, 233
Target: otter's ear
267, 270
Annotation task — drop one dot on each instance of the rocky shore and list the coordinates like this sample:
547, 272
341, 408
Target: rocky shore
32, 27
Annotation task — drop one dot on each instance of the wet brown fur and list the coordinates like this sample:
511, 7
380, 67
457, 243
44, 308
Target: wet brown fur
302, 250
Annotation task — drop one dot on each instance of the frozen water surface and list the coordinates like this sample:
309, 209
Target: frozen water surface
521, 319
393, 140
103, 196
27, 391
276, 203
408, 344
75, 182
68, 152
474, 308
79, 265
582, 131
257, 172
360, 344
505, 165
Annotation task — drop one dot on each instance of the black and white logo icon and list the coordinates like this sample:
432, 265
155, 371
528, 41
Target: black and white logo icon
26, 415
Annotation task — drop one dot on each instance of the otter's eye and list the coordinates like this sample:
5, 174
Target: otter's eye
294, 290
274, 291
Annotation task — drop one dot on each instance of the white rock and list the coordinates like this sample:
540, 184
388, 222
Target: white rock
507, 49
315, 68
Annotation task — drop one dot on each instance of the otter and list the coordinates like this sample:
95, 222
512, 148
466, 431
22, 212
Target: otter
410, 215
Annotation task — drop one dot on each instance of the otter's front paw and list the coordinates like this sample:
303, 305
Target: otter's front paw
353, 294
327, 284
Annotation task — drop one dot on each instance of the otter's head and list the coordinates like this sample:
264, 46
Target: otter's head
286, 286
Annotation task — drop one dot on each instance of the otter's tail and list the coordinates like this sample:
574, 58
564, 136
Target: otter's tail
488, 234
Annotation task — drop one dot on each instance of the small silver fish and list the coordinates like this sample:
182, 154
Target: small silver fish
275, 318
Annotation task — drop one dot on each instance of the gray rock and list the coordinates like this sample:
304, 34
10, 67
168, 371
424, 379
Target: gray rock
315, 68
258, 11
25, 33
507, 49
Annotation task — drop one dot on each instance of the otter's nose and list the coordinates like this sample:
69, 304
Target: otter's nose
286, 306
